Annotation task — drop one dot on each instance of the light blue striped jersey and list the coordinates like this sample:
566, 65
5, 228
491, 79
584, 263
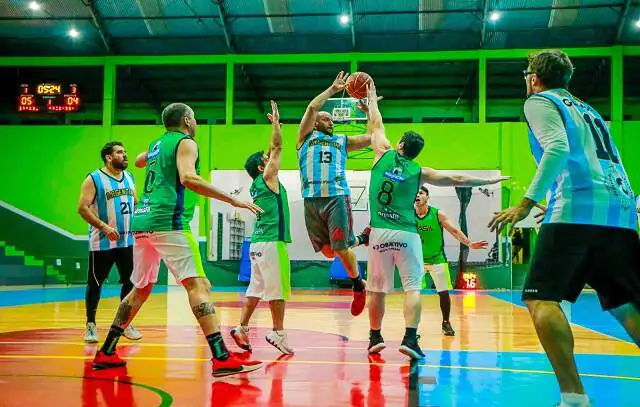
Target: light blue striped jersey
322, 160
113, 204
593, 188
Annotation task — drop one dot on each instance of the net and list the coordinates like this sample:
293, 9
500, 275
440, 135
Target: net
344, 110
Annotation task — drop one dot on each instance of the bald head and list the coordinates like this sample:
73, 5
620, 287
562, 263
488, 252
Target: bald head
324, 122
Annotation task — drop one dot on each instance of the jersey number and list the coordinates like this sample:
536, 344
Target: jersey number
384, 196
150, 178
325, 157
125, 208
604, 152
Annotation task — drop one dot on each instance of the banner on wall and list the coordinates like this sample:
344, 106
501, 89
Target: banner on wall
231, 227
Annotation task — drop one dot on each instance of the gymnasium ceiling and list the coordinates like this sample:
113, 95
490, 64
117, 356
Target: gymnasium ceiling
154, 27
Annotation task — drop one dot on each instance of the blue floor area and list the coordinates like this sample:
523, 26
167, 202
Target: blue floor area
469, 387
11, 298
586, 312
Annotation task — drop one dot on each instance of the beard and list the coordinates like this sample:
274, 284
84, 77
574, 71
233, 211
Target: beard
122, 165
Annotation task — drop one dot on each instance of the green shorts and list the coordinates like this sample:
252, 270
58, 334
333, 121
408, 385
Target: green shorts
329, 222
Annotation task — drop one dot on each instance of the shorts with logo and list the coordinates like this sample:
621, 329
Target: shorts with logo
440, 275
178, 249
270, 271
389, 249
329, 222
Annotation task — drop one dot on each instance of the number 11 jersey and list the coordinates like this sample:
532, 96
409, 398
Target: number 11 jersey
166, 204
593, 187
395, 181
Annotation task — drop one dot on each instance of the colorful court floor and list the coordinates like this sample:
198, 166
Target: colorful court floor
494, 359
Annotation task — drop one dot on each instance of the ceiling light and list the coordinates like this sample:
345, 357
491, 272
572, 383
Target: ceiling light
34, 6
494, 16
73, 33
638, 23
344, 19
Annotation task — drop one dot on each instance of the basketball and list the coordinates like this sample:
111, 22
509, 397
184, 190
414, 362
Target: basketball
357, 85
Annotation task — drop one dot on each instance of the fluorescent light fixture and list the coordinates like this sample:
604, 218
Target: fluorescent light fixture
638, 23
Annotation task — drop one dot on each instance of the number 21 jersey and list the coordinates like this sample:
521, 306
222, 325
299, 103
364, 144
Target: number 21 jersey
593, 187
392, 192
166, 204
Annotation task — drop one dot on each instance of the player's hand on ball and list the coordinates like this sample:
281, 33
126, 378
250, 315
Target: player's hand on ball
111, 233
340, 82
274, 116
483, 244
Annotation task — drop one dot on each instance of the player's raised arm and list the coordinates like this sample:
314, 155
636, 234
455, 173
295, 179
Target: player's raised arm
456, 232
309, 118
433, 177
379, 141
186, 157
275, 149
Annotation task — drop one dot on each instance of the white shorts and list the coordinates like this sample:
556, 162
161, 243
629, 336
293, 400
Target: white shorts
389, 249
178, 249
270, 271
440, 275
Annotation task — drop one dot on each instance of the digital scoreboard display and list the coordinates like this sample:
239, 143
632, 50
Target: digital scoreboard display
49, 98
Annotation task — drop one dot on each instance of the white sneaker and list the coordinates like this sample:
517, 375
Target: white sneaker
240, 335
279, 341
91, 333
132, 333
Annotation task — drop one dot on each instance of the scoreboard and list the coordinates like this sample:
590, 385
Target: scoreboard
49, 98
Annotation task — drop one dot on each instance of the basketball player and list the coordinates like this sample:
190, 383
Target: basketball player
270, 266
589, 232
431, 221
107, 197
394, 240
327, 204
161, 226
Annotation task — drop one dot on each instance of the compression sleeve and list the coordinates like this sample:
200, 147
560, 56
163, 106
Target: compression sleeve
548, 128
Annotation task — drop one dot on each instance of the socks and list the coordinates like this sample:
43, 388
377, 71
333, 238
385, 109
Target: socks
375, 333
410, 333
574, 400
358, 285
109, 345
445, 305
218, 348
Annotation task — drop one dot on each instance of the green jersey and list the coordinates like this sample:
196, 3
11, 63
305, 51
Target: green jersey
273, 224
392, 191
432, 237
166, 204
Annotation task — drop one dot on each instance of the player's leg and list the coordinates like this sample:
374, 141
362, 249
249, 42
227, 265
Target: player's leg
276, 269
380, 271
146, 262
253, 295
100, 263
410, 269
442, 280
340, 223
559, 270
181, 254
124, 263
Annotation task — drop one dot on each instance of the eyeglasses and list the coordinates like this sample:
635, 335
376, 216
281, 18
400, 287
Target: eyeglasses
526, 73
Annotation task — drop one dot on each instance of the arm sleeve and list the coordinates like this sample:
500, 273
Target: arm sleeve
548, 128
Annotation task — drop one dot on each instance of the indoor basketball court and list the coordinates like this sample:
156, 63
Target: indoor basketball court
78, 74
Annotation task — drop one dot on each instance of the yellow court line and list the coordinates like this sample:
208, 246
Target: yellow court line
325, 362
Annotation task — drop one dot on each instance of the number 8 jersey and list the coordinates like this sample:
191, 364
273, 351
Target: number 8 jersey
593, 187
113, 204
166, 204
395, 181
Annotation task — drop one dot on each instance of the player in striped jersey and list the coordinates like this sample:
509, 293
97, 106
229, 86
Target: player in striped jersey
589, 232
107, 199
322, 158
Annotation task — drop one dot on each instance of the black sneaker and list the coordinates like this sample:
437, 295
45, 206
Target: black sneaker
376, 343
411, 348
447, 329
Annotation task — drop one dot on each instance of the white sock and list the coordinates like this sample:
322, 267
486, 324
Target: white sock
574, 399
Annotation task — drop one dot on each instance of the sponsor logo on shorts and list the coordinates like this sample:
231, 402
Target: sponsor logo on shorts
386, 246
253, 255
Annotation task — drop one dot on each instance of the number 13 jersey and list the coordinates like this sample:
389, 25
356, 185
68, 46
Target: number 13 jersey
322, 159
592, 187
166, 204
395, 181
113, 204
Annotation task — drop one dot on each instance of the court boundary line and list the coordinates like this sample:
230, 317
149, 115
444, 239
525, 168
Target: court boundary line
323, 362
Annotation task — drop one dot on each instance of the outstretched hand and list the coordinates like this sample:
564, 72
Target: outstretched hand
340, 82
482, 244
248, 205
274, 116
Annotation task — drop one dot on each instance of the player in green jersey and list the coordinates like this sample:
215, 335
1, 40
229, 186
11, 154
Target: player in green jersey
161, 228
394, 240
431, 222
270, 266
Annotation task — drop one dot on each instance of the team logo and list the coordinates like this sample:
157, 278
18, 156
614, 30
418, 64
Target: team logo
395, 174
387, 213
619, 186
155, 150
386, 246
